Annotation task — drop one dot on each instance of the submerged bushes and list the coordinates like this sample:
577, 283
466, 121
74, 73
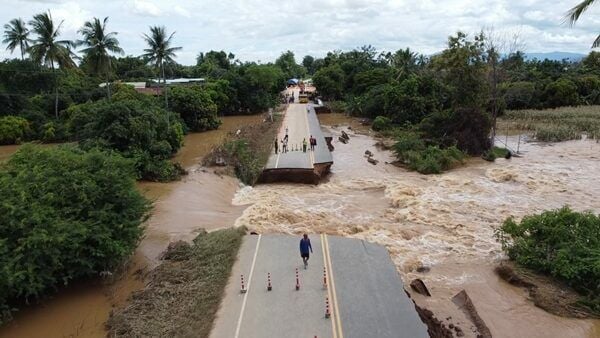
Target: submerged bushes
412, 151
562, 243
64, 214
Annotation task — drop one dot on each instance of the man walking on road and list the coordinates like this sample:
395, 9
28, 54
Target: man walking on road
304, 249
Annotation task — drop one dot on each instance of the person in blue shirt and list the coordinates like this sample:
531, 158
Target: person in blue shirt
305, 247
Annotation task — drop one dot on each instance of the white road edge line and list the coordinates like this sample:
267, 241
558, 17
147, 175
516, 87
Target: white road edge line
239, 323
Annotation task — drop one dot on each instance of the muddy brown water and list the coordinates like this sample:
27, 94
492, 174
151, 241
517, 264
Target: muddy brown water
444, 222
200, 200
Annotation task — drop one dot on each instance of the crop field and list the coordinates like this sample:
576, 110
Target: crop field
554, 125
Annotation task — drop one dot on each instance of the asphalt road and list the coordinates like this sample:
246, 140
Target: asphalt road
363, 288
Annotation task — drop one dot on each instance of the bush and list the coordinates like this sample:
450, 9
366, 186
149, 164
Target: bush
381, 123
496, 152
519, 95
562, 243
13, 129
411, 150
195, 107
562, 92
467, 128
65, 214
146, 133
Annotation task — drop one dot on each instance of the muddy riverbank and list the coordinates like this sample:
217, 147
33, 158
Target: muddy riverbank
200, 200
441, 223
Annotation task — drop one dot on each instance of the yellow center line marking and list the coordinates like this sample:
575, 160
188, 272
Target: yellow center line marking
334, 294
239, 323
332, 315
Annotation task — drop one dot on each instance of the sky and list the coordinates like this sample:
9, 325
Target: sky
260, 30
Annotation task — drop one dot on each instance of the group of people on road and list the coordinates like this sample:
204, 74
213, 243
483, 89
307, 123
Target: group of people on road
284, 143
313, 144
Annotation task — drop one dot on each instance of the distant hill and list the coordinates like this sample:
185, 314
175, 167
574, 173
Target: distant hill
556, 56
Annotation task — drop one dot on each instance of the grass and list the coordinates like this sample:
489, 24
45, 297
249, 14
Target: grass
247, 152
183, 294
555, 125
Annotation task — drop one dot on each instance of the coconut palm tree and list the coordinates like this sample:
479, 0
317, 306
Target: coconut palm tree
160, 51
16, 34
404, 61
98, 46
48, 50
574, 13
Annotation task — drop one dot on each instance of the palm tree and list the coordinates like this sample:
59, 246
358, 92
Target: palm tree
48, 50
99, 45
16, 34
574, 13
404, 61
159, 52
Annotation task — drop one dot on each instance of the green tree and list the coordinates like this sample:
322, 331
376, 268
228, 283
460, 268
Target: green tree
574, 13
136, 128
309, 64
462, 67
195, 107
159, 52
16, 34
330, 81
47, 49
98, 46
65, 214
287, 62
404, 62
562, 92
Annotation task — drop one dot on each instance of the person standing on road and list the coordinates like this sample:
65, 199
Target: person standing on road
276, 146
304, 145
305, 247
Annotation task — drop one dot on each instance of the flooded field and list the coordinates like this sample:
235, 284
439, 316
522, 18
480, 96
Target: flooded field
441, 222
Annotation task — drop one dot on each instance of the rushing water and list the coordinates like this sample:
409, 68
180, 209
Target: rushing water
200, 200
444, 222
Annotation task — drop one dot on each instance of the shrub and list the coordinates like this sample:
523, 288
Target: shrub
562, 92
519, 95
195, 107
467, 128
411, 150
496, 152
146, 133
65, 214
381, 123
13, 129
562, 243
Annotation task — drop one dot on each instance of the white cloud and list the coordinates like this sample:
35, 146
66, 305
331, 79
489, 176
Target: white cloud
145, 8
262, 29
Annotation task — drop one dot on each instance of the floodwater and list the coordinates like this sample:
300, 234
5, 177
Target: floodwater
200, 200
443, 222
